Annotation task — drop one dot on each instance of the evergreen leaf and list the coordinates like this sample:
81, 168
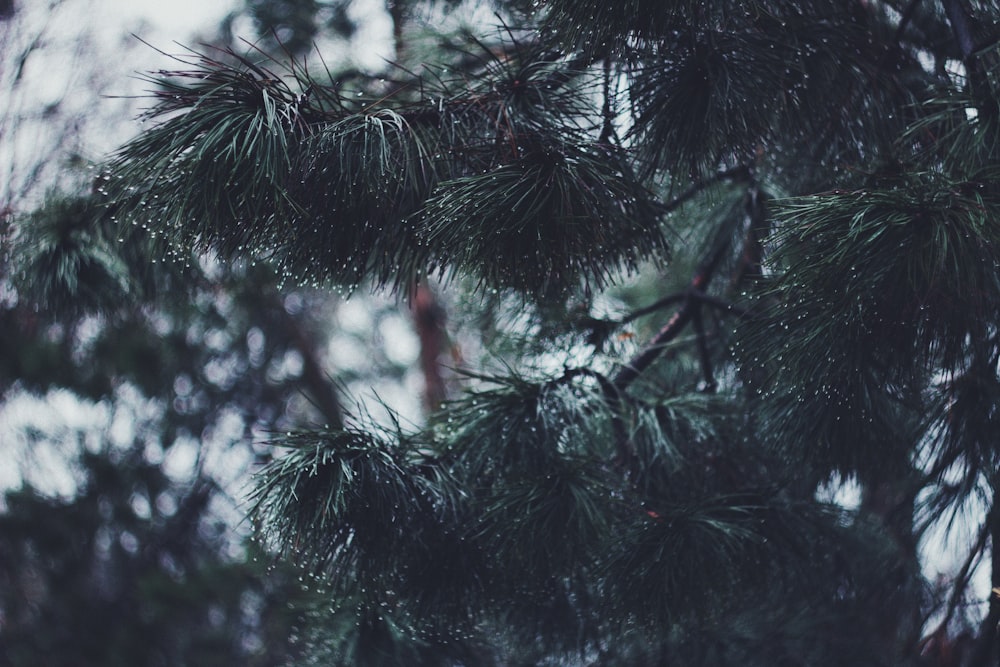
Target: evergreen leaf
66, 262
343, 502
556, 216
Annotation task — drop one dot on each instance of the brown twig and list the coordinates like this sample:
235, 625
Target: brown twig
429, 318
699, 282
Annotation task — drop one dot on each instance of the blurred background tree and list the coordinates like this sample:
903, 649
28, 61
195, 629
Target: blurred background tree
136, 392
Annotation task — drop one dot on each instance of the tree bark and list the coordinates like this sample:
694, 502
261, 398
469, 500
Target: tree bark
429, 319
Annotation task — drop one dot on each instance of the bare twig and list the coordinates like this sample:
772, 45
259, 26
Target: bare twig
659, 304
961, 582
699, 282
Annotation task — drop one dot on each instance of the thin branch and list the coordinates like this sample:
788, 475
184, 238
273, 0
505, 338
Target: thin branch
600, 329
751, 259
429, 318
696, 288
905, 20
962, 29
740, 173
961, 582
704, 355
989, 631
699, 282
607, 113
659, 304
634, 368
317, 380
726, 307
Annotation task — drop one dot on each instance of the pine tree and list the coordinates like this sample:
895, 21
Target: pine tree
726, 252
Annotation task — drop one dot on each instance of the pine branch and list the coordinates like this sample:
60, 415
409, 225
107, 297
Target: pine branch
626, 454
634, 368
351, 505
659, 304
600, 329
552, 216
699, 282
739, 174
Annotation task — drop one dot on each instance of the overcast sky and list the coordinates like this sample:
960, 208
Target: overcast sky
179, 17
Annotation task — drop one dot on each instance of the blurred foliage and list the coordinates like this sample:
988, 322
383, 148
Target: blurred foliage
133, 570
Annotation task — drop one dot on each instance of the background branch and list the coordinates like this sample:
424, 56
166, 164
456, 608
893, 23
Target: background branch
699, 282
317, 380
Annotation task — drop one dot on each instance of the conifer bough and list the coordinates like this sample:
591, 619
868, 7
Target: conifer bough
459, 178
825, 174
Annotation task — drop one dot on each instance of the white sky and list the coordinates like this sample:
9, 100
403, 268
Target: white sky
177, 17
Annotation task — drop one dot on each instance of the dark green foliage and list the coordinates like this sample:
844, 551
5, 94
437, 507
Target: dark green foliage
91, 581
70, 260
705, 83
328, 188
245, 131
362, 176
724, 537
935, 250
879, 278
596, 25
529, 522
825, 175
364, 506
293, 25
535, 475
561, 215
532, 425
